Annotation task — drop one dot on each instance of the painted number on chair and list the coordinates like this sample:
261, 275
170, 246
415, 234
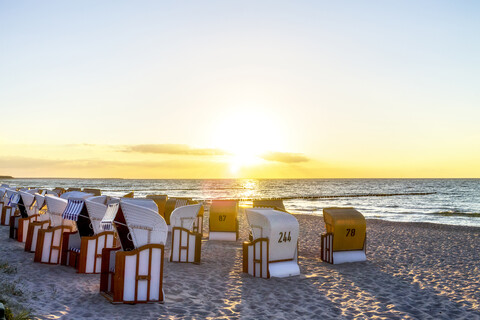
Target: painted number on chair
351, 232
222, 217
284, 238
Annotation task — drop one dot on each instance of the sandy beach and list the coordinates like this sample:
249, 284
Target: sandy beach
414, 271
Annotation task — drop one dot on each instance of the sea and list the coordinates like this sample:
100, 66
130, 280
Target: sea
443, 201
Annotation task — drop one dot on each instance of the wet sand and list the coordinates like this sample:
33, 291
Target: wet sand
414, 271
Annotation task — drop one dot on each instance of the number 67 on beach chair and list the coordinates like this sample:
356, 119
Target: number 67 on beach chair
345, 240
273, 249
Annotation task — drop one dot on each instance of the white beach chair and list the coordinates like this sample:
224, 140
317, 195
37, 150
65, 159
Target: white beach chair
83, 249
186, 243
11, 198
134, 274
172, 204
3, 202
42, 221
345, 240
2, 198
28, 213
223, 221
273, 250
50, 240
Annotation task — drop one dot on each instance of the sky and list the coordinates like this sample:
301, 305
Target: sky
240, 89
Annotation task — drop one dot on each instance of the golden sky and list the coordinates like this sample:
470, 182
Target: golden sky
239, 89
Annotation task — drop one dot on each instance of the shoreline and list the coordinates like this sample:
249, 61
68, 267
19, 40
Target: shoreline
413, 270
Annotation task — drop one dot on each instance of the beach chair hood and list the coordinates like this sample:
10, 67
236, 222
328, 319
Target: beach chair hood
97, 208
185, 216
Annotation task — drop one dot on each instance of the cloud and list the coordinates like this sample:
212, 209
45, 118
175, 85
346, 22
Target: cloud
178, 149
285, 157
31, 163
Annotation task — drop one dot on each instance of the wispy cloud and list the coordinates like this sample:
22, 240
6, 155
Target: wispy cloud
36, 163
285, 157
178, 149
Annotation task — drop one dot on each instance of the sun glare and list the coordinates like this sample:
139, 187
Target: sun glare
247, 134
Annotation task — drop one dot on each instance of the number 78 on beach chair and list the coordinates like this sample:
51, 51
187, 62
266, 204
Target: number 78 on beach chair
345, 240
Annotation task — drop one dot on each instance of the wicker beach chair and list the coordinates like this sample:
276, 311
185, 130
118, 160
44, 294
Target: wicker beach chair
3, 201
186, 243
134, 272
276, 204
223, 221
28, 214
95, 192
273, 250
345, 240
49, 241
198, 223
11, 198
2, 198
161, 201
42, 221
171, 204
83, 249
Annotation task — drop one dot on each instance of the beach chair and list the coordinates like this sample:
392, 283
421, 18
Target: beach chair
134, 272
3, 199
273, 250
17, 210
161, 201
59, 191
186, 243
198, 223
223, 221
129, 195
345, 240
276, 204
28, 214
11, 197
42, 221
95, 192
83, 249
171, 204
49, 241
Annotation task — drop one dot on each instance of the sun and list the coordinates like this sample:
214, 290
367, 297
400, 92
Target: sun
245, 134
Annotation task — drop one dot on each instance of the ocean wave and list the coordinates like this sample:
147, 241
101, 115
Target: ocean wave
452, 213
